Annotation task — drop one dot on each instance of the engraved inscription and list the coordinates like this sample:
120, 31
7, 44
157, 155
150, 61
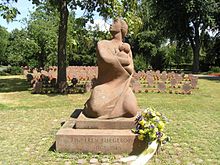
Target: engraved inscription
102, 144
110, 140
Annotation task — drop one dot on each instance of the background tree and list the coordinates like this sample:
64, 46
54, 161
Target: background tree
42, 28
21, 50
187, 21
7, 11
3, 44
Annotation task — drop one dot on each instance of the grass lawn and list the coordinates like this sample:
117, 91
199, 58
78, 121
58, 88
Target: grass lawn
29, 123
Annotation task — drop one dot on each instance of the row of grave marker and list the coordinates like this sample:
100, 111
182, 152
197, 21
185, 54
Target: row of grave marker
83, 78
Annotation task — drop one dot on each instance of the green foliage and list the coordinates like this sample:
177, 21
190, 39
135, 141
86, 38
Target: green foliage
211, 50
150, 126
187, 21
215, 69
42, 28
21, 49
139, 63
3, 44
7, 11
158, 61
12, 70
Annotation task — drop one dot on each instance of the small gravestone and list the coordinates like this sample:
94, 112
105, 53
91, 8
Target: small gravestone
194, 82
163, 77
63, 87
173, 83
150, 81
161, 87
29, 77
74, 81
157, 74
178, 78
190, 76
186, 88
53, 82
37, 87
169, 76
45, 79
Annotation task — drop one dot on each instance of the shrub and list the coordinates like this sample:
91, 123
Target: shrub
140, 64
13, 70
215, 69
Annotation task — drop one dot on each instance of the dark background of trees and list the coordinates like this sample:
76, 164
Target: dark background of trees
163, 34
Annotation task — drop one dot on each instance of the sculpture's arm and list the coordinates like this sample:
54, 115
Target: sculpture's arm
130, 68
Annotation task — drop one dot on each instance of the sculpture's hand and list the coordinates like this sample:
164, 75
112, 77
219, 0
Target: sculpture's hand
123, 61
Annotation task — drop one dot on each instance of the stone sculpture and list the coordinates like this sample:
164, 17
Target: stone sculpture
112, 96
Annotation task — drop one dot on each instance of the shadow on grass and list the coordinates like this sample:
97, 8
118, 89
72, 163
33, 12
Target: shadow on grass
53, 147
14, 85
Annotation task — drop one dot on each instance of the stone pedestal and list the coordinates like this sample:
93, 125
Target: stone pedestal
83, 122
98, 136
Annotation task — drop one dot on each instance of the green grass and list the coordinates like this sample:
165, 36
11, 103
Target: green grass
29, 123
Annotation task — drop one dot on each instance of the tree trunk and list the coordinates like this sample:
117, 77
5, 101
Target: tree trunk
196, 50
61, 76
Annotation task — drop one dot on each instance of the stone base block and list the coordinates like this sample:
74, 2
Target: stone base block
83, 122
98, 141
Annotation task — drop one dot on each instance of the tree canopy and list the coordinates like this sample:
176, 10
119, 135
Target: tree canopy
162, 34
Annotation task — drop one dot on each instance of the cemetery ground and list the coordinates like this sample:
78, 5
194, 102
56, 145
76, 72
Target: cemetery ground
29, 123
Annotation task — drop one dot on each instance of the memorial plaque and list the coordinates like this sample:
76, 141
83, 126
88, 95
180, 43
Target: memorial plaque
98, 141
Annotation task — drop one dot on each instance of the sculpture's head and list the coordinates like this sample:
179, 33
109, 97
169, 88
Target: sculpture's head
119, 25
